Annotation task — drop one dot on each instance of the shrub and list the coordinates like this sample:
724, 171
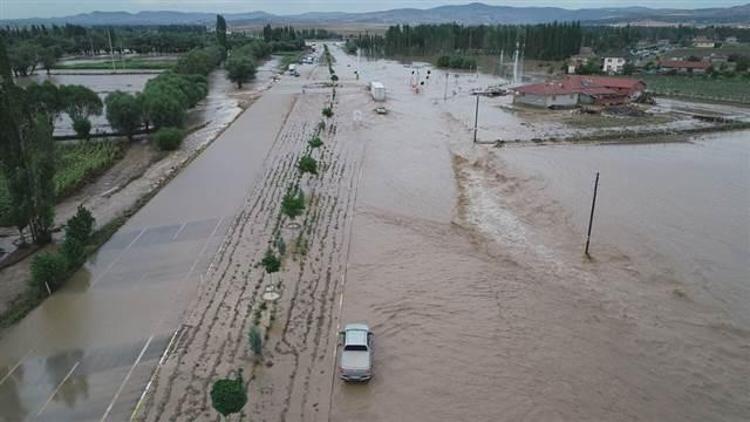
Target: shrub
315, 142
293, 203
327, 111
271, 263
82, 127
307, 164
81, 225
256, 340
74, 252
168, 138
50, 268
229, 395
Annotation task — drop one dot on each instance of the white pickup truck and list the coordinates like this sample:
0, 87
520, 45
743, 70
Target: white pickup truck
356, 356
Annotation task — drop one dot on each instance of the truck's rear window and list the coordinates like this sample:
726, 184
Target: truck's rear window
356, 348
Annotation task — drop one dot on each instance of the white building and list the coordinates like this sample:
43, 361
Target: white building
613, 65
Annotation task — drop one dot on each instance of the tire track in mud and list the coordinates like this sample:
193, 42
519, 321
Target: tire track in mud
213, 341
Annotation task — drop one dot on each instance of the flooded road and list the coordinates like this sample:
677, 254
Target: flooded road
88, 351
482, 304
465, 260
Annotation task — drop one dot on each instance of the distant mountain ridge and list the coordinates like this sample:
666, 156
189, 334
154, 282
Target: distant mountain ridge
472, 13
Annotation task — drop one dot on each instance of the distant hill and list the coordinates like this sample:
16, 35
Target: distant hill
473, 13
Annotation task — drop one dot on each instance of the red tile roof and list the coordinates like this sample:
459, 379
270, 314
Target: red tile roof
589, 85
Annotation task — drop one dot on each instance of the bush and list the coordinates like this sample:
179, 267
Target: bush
270, 262
327, 111
256, 340
82, 127
315, 142
50, 268
168, 138
307, 164
293, 203
74, 252
228, 396
81, 225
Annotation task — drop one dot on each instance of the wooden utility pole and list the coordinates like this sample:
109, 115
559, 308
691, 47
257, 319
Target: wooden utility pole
591, 217
476, 119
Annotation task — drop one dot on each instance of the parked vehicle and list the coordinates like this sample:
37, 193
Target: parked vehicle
356, 355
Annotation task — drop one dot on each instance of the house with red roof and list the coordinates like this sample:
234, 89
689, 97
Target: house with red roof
575, 90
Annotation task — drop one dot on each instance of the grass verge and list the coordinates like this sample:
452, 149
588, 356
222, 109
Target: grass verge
126, 64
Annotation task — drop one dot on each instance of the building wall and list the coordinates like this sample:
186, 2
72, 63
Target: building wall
545, 101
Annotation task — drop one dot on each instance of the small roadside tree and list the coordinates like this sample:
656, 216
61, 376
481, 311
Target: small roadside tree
307, 164
229, 396
293, 203
315, 142
256, 340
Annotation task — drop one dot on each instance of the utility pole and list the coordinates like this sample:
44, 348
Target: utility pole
476, 119
445, 94
111, 51
591, 217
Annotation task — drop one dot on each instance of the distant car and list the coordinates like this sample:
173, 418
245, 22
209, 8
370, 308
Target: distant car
356, 355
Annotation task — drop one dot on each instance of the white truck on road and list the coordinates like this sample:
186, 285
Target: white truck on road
377, 89
356, 356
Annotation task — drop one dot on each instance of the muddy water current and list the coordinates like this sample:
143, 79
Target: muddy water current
681, 210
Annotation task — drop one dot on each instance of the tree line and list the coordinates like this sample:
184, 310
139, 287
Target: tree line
551, 41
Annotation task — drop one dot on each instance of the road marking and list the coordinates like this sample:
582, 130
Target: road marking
54, 393
203, 250
110, 266
15, 367
153, 376
127, 377
179, 231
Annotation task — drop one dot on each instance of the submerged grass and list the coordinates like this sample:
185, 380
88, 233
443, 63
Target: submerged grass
126, 64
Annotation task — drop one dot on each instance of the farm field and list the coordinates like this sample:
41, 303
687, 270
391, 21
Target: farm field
735, 90
126, 64
76, 165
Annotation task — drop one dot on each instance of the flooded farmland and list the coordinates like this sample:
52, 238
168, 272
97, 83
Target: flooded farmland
465, 260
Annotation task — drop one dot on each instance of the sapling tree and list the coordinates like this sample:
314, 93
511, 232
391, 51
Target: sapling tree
256, 340
293, 203
271, 262
315, 142
229, 396
307, 164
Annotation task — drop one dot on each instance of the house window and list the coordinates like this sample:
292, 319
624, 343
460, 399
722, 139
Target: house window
554, 97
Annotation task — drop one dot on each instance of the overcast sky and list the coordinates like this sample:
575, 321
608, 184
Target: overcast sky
12, 9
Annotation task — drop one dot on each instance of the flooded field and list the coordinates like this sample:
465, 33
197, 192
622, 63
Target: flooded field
218, 109
680, 210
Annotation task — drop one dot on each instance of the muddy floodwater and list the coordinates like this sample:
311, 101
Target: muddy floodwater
680, 210
465, 260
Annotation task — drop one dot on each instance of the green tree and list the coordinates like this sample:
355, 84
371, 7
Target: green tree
229, 395
45, 97
48, 57
168, 138
48, 269
24, 57
41, 175
164, 107
240, 69
80, 102
221, 32
124, 113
